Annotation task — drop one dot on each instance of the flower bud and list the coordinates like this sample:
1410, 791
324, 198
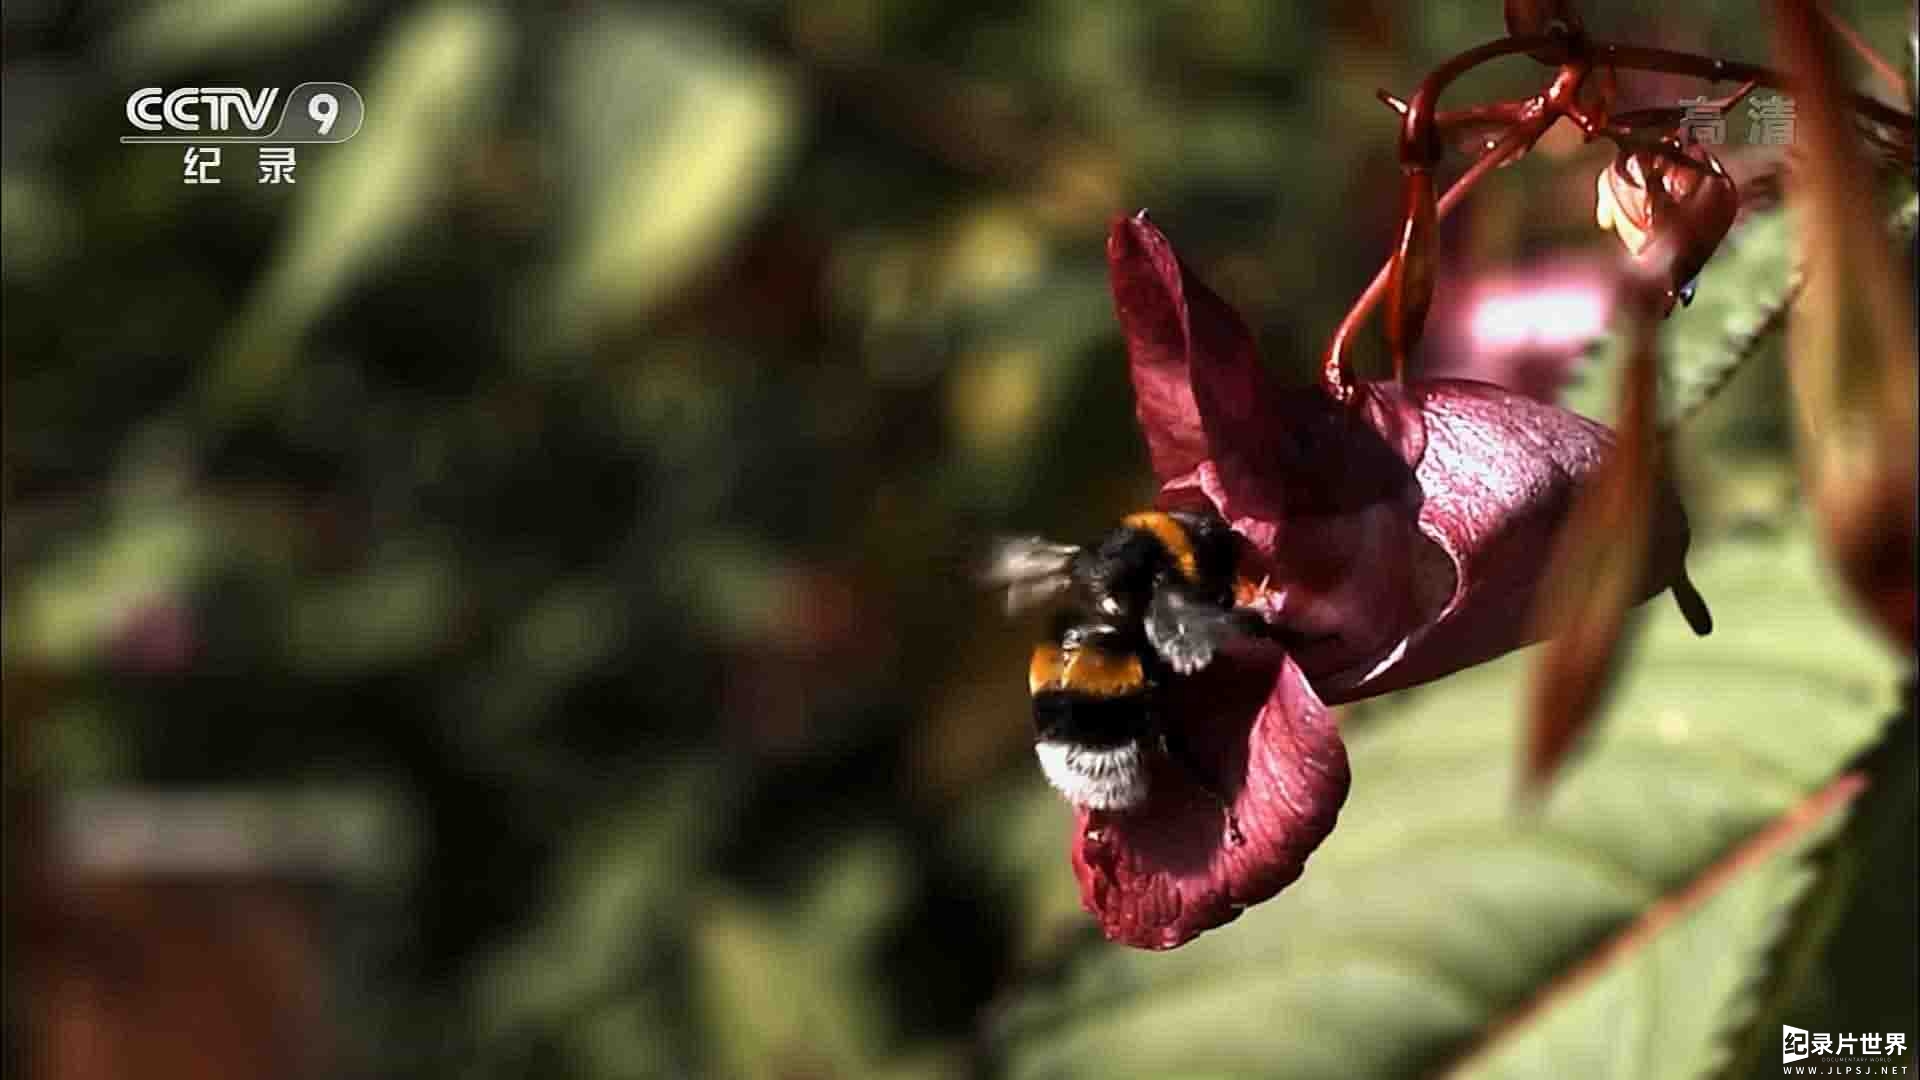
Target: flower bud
1670, 206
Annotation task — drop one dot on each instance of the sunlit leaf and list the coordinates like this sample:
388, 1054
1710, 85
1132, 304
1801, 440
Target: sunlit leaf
432, 85
175, 33
789, 991
1699, 953
65, 611
37, 225
670, 135
1859, 881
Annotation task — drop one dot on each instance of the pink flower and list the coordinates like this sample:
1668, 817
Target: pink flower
1525, 327
1399, 537
156, 636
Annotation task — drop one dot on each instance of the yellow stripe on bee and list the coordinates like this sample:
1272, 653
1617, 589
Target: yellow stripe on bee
1172, 536
1047, 668
1093, 672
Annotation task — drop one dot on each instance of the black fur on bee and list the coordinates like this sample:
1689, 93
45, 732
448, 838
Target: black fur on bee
1153, 601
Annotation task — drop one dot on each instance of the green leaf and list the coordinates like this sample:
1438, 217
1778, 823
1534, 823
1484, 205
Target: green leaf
1434, 911
1741, 297
670, 135
1701, 969
788, 989
38, 225
432, 85
1843, 923
178, 33
597, 969
1739, 308
395, 611
66, 610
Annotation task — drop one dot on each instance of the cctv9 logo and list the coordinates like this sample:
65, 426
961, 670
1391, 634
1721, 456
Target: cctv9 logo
314, 112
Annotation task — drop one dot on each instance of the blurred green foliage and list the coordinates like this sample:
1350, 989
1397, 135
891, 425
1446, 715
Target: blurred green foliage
584, 464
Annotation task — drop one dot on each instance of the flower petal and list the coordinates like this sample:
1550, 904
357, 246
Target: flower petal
1496, 482
1402, 533
1168, 317
1323, 491
1160, 875
1333, 529
1201, 393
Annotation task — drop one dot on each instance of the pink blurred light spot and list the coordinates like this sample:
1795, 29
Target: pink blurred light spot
1554, 317
1524, 328
156, 636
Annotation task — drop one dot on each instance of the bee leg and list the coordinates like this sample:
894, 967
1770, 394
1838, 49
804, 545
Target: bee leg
1177, 751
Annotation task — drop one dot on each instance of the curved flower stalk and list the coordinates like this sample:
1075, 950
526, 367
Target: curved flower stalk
1398, 534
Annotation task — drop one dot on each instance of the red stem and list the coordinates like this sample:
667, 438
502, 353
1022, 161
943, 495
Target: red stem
1642, 58
1495, 112
1420, 147
1333, 370
1410, 278
1534, 117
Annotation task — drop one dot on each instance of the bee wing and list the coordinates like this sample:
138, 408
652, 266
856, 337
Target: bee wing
1032, 569
1187, 631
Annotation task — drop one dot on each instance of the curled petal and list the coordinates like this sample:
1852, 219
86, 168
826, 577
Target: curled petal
1394, 592
1620, 202
1498, 478
1336, 535
1160, 875
1172, 322
1323, 491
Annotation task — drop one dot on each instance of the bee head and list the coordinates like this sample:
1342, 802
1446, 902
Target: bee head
1152, 549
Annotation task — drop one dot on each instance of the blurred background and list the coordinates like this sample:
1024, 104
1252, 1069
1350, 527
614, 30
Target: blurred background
499, 605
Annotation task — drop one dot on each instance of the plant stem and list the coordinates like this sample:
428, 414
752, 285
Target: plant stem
1333, 371
1668, 61
1535, 115
1577, 56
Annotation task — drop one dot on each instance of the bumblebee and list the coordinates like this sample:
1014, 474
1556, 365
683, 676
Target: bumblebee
1151, 602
